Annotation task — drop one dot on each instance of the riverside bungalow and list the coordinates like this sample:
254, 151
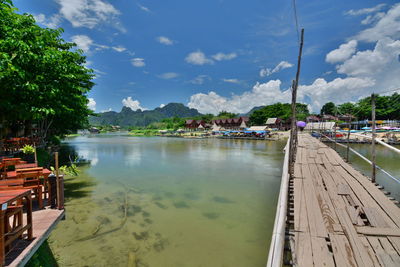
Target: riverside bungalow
193, 125
274, 123
230, 124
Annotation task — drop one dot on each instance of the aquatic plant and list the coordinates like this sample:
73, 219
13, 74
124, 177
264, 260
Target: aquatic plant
222, 200
181, 204
211, 215
160, 205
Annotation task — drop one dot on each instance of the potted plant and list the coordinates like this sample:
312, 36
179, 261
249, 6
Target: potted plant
29, 153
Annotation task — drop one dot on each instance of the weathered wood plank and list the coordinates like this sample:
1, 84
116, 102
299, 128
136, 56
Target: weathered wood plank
389, 249
342, 252
377, 231
383, 258
321, 254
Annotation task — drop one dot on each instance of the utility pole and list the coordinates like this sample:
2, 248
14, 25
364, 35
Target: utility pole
373, 177
293, 130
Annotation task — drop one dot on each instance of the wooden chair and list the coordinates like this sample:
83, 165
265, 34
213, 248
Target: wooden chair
13, 229
26, 180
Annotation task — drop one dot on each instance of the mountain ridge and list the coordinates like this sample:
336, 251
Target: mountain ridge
129, 117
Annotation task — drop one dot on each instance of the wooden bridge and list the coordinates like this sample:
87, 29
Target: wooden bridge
331, 215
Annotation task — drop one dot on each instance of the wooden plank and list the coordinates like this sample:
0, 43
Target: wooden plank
390, 208
299, 207
383, 258
342, 252
377, 231
303, 250
327, 208
321, 254
395, 243
387, 246
371, 252
374, 217
360, 253
317, 226
297, 170
353, 214
343, 189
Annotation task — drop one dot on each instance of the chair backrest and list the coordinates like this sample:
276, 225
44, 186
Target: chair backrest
26, 166
11, 182
35, 169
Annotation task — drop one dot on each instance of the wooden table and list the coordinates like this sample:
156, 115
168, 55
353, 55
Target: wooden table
7, 198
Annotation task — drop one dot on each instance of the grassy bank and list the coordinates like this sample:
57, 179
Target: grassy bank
43, 257
144, 133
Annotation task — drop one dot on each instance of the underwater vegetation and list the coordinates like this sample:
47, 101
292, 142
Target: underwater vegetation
181, 205
211, 215
222, 200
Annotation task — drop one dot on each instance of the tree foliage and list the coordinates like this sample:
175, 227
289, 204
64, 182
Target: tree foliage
42, 81
278, 110
328, 109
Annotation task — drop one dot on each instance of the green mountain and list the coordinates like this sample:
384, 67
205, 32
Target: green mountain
129, 117
251, 111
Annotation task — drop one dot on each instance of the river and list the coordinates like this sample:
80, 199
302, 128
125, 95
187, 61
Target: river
169, 202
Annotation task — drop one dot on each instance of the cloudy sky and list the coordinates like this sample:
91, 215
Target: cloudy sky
228, 55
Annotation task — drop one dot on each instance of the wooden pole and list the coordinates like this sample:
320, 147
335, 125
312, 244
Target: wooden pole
348, 141
373, 177
35, 153
293, 132
57, 176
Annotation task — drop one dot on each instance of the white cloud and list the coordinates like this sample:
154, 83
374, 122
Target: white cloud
381, 64
132, 104
91, 104
387, 26
261, 94
365, 11
168, 75
106, 110
231, 81
162, 105
52, 22
119, 48
282, 65
138, 62
198, 58
83, 42
164, 40
338, 90
89, 13
200, 79
221, 56
342, 53
146, 9
372, 18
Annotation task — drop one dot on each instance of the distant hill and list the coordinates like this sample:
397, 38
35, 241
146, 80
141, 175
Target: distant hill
129, 117
252, 110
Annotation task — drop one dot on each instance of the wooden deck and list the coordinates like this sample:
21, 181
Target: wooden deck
44, 222
339, 217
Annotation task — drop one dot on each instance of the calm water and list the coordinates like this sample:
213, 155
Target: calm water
385, 158
169, 202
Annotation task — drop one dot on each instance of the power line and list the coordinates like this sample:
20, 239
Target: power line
296, 20
389, 91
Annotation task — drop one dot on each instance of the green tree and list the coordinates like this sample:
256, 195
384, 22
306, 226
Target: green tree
278, 110
328, 109
346, 108
226, 115
42, 81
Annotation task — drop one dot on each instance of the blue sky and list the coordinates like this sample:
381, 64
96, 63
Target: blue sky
228, 55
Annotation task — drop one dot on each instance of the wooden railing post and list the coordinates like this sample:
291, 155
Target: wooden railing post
373, 176
60, 202
348, 142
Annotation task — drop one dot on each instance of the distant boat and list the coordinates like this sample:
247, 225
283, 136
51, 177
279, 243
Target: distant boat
94, 130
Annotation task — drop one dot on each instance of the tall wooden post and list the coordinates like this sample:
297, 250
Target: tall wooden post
373, 176
293, 132
57, 179
348, 141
